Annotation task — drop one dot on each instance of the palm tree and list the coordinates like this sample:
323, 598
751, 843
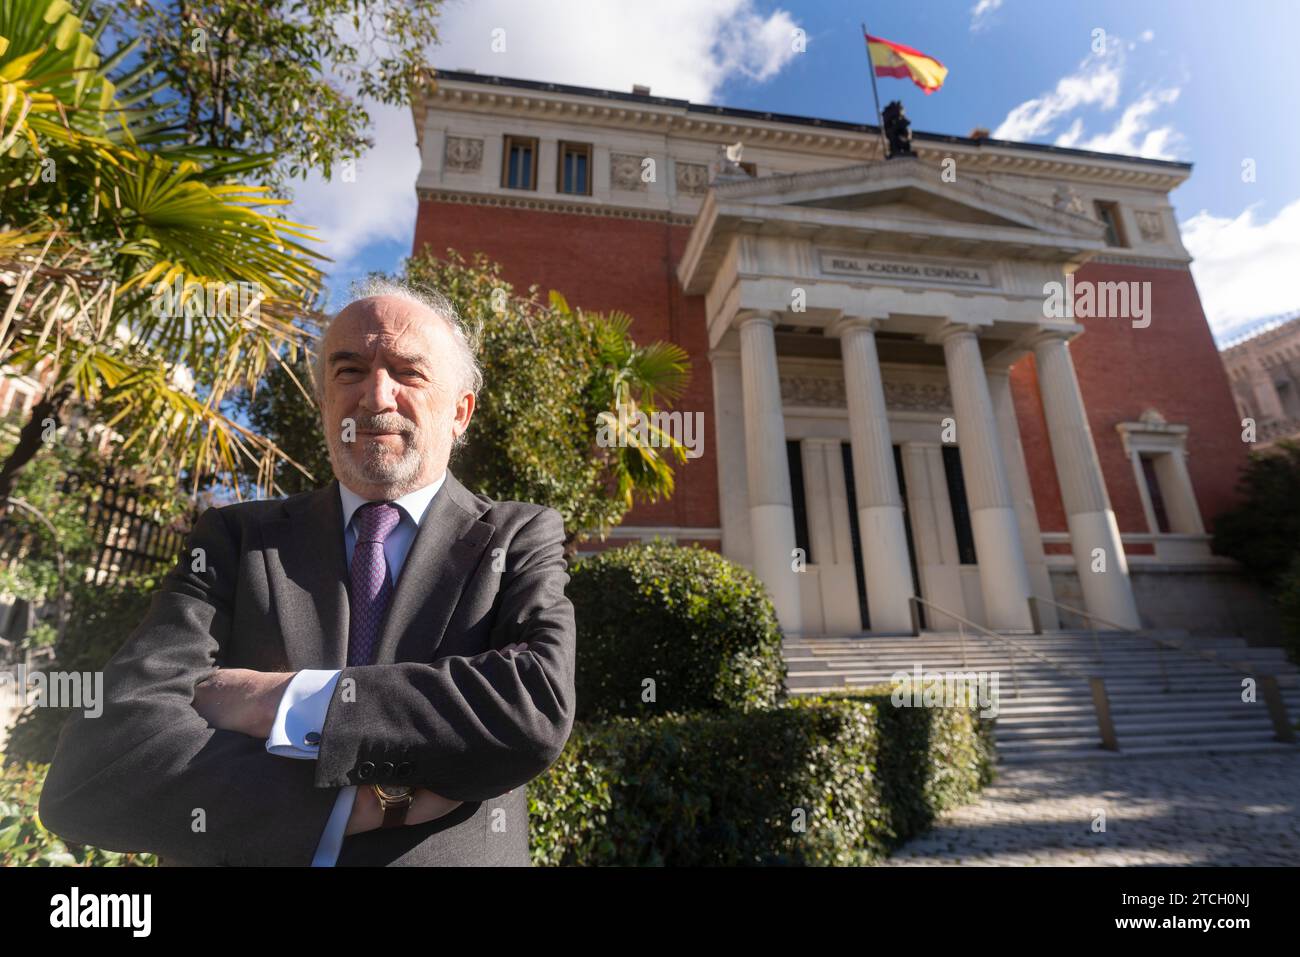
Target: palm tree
639, 379
99, 210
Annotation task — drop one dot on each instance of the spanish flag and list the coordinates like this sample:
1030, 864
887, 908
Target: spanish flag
894, 59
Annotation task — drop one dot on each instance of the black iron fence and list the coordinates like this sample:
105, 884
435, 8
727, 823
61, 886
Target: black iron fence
127, 538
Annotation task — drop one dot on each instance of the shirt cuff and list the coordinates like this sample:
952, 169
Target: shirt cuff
301, 714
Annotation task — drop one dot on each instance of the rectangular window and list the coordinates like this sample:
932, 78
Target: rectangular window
519, 163
1153, 490
1108, 216
957, 500
794, 454
574, 172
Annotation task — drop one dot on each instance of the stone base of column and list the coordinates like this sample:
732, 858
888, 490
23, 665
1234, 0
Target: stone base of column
775, 523
1108, 594
1004, 582
885, 568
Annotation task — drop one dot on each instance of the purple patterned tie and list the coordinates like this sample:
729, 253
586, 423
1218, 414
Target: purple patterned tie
371, 583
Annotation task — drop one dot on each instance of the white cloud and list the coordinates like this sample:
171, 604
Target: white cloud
980, 12
679, 48
1148, 36
1244, 267
1095, 83
1131, 134
379, 206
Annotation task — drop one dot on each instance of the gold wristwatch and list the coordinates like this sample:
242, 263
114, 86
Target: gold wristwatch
395, 800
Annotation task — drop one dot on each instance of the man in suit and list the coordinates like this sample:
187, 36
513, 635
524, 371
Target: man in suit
369, 673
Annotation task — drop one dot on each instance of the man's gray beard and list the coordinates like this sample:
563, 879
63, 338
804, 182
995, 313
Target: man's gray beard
376, 466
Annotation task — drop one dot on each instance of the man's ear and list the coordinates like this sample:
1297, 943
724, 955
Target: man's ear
464, 412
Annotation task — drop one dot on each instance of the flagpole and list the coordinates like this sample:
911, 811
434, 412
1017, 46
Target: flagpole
871, 69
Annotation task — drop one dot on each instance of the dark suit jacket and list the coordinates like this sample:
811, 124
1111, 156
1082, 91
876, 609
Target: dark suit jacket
441, 708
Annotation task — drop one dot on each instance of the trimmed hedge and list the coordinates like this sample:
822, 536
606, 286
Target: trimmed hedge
699, 626
702, 788
730, 789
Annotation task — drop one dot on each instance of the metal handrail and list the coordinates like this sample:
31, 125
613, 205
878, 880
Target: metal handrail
1096, 684
1267, 679
1037, 622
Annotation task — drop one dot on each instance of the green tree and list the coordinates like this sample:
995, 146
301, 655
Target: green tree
556, 422
289, 78
96, 208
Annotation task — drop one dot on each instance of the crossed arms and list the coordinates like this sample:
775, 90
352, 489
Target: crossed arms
150, 773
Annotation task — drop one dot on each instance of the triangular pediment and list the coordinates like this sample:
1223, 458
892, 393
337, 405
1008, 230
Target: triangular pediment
908, 190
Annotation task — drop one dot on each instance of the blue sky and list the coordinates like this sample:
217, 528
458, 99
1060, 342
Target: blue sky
1212, 83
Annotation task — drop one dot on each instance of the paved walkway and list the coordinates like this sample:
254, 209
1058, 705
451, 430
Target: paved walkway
1230, 810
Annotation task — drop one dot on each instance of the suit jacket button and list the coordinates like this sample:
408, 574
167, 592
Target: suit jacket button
366, 770
312, 737
404, 769
386, 769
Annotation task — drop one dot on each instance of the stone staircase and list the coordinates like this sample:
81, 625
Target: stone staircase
1191, 706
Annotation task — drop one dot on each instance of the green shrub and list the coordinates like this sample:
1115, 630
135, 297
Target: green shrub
24, 841
1288, 600
700, 626
1263, 530
711, 788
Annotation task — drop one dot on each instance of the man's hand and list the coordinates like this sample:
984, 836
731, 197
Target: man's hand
240, 699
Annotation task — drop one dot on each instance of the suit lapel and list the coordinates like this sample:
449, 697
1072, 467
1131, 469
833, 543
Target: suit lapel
446, 550
306, 563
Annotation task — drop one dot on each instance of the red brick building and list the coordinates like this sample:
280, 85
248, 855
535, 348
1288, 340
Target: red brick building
892, 403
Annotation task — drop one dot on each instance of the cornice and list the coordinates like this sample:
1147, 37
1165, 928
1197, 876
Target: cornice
676, 118
554, 206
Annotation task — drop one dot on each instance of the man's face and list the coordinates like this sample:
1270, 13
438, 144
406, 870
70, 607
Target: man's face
391, 370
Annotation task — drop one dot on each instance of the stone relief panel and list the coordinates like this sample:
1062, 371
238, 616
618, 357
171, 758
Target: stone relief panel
1151, 224
692, 178
625, 172
463, 154
901, 395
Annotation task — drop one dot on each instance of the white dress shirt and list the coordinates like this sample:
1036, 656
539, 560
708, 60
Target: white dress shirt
306, 698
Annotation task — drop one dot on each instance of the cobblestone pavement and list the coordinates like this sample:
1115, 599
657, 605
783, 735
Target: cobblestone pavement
1225, 810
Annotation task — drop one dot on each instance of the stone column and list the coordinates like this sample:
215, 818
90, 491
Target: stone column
1013, 454
1094, 533
1004, 580
729, 443
771, 512
880, 506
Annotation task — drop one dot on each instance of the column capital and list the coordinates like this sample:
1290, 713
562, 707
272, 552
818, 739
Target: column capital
1048, 334
745, 319
951, 329
846, 324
